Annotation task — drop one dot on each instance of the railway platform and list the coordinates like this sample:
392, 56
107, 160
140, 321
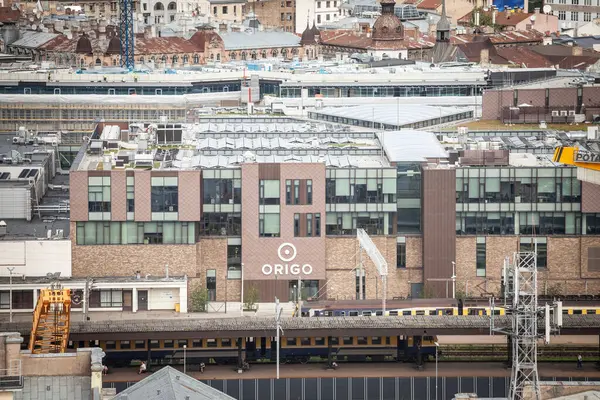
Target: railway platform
358, 370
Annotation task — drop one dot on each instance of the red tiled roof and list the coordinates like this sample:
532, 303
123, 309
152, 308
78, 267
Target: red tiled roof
162, 45
523, 56
8, 15
502, 37
429, 4
502, 18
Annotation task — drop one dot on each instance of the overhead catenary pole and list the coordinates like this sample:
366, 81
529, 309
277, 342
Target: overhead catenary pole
10, 301
279, 330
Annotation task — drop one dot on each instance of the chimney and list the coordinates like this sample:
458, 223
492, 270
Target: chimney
484, 57
537, 10
577, 51
494, 17
223, 27
147, 32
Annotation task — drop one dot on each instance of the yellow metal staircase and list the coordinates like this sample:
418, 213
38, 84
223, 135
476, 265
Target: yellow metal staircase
51, 322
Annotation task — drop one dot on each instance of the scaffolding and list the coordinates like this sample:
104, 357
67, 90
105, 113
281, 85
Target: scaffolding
522, 288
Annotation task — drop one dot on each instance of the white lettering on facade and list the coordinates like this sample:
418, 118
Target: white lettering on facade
287, 252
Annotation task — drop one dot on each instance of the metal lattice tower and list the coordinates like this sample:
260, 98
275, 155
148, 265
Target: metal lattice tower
521, 278
126, 34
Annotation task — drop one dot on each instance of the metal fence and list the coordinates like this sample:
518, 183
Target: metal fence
11, 378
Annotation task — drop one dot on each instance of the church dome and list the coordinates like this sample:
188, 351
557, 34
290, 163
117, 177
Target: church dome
388, 26
84, 45
308, 36
114, 46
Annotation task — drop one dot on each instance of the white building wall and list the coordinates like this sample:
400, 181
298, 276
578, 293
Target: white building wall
15, 203
305, 11
36, 257
163, 299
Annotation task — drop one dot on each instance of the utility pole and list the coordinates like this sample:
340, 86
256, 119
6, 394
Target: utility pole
279, 330
10, 271
86, 297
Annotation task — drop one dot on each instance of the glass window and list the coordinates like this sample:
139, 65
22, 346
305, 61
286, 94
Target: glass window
296, 191
269, 192
221, 190
539, 243
99, 194
296, 225
269, 225
481, 256
221, 224
309, 192
309, 225
318, 224
288, 191
234, 261
401, 254
164, 198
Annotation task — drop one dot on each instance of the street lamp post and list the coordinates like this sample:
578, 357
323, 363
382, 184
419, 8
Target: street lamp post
436, 369
10, 270
453, 280
184, 359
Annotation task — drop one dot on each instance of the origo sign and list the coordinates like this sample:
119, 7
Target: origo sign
287, 254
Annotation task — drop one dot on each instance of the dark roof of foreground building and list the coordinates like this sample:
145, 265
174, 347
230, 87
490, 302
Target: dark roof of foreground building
170, 384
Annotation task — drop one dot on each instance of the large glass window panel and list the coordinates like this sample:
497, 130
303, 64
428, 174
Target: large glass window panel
90, 233
409, 220
169, 232
271, 224
342, 187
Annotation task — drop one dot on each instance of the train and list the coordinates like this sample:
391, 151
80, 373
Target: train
407, 307
221, 351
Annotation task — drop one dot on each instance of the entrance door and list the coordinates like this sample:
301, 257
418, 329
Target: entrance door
142, 300
127, 300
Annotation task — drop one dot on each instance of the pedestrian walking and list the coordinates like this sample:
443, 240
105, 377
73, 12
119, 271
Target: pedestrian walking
579, 362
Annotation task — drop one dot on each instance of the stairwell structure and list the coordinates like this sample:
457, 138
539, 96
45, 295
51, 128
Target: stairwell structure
51, 322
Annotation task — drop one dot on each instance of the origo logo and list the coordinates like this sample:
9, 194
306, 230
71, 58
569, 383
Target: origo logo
287, 254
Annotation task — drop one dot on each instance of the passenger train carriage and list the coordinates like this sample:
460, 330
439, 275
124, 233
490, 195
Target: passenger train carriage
263, 349
482, 306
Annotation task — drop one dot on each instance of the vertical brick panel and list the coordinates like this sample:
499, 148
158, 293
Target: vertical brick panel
590, 197
78, 194
439, 226
143, 196
118, 195
189, 196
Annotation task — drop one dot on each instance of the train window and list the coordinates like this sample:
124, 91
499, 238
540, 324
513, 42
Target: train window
348, 340
291, 341
70, 345
342, 313
197, 343
211, 343
328, 313
319, 341
168, 344
305, 341
496, 312
140, 344
393, 313
125, 344
577, 312
353, 313
406, 312
182, 342
92, 343
593, 312
226, 342
367, 313
110, 345
334, 340
565, 311
376, 340
388, 340
154, 344
428, 338
81, 344
361, 340
420, 312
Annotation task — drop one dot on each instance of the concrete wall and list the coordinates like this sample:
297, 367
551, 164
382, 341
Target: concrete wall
66, 364
36, 258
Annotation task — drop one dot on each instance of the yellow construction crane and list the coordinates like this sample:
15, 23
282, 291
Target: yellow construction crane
51, 321
573, 156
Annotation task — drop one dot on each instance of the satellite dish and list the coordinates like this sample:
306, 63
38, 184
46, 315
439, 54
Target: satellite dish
547, 9
33, 27
532, 18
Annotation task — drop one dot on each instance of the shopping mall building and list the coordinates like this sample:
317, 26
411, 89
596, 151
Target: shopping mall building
266, 203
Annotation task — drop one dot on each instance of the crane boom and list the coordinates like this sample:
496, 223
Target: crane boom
573, 156
126, 34
51, 322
